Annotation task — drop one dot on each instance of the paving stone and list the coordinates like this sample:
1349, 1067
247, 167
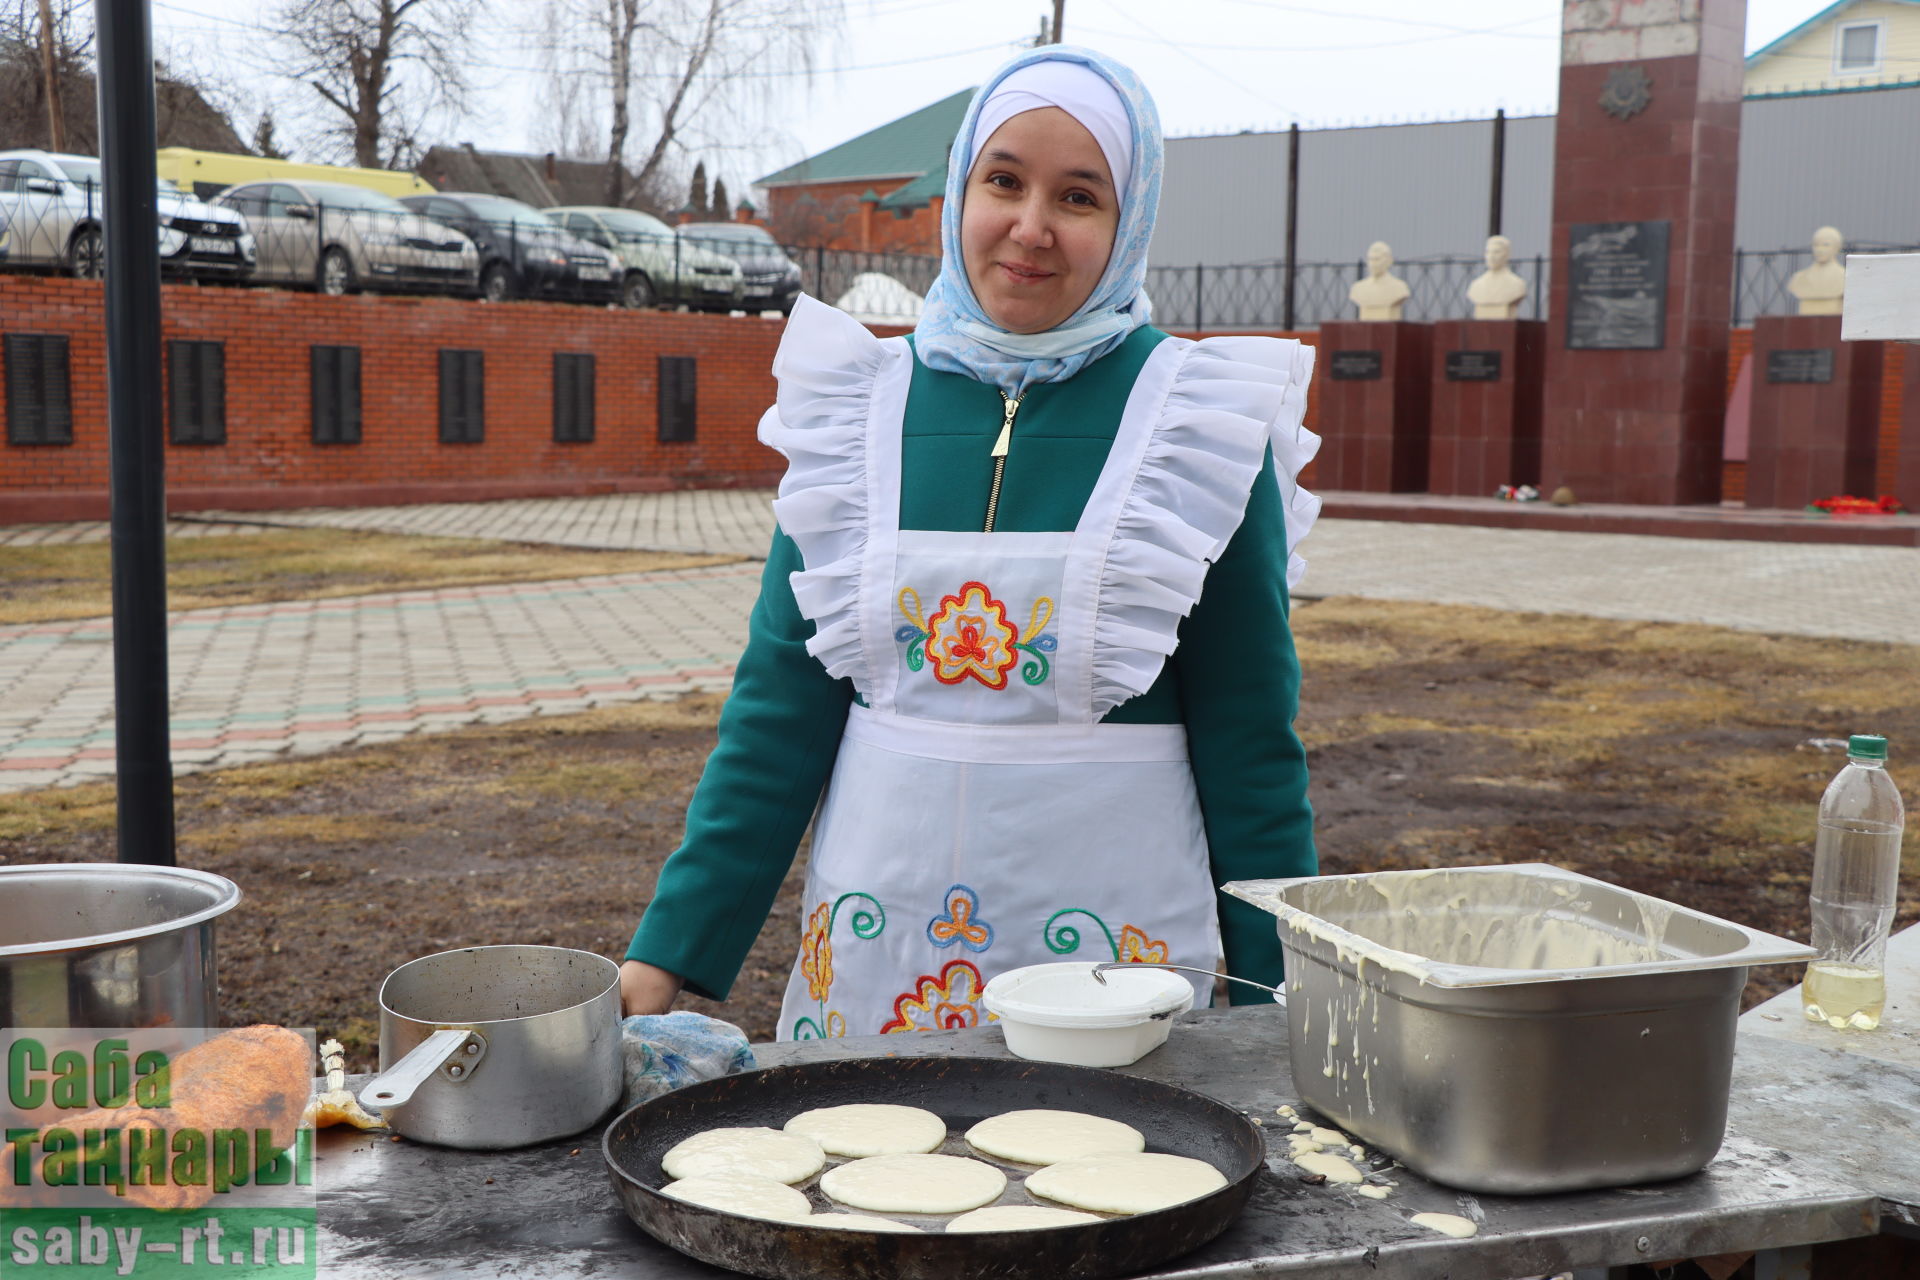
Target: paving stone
368, 667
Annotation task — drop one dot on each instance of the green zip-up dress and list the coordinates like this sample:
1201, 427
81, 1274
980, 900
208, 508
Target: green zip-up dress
1232, 681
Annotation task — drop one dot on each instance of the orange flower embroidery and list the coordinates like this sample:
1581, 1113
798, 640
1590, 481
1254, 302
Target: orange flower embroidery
959, 924
1136, 947
816, 953
969, 637
943, 1003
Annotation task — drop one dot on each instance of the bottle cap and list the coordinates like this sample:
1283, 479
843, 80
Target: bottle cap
1866, 746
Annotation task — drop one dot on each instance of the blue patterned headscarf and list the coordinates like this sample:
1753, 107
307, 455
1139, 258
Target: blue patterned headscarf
956, 336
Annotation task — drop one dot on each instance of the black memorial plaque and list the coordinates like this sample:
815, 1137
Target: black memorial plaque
1811, 364
1356, 366
1617, 286
1473, 366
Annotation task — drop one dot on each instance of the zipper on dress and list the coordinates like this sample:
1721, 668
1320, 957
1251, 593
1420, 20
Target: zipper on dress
999, 456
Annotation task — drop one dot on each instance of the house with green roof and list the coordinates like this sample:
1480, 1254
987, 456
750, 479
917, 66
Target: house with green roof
1854, 44
881, 191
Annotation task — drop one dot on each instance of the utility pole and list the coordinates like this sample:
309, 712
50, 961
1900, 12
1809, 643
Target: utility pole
1498, 196
1059, 19
56, 129
136, 432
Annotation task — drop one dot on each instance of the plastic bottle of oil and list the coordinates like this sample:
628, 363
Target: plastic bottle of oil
1856, 875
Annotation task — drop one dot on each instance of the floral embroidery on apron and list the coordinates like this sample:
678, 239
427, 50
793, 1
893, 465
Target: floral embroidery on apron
970, 636
944, 1002
959, 923
1133, 946
815, 967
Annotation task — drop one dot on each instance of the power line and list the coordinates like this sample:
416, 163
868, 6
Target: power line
262, 29
1455, 34
1209, 68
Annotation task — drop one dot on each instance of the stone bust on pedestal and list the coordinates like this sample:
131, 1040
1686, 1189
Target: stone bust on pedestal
1821, 286
1497, 292
1381, 295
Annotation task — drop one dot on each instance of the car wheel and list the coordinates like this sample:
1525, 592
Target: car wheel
636, 294
496, 283
334, 277
87, 255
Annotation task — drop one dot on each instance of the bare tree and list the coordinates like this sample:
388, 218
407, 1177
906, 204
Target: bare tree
809, 221
676, 76
384, 66
46, 82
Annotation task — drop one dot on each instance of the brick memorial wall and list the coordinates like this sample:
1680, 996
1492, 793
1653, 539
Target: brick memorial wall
269, 457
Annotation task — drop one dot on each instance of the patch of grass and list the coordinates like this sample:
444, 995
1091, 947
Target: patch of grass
56, 813
277, 780
59, 583
589, 780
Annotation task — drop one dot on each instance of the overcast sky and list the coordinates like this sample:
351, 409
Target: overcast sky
1214, 66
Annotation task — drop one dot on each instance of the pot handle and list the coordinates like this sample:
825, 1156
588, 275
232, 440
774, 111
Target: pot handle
394, 1087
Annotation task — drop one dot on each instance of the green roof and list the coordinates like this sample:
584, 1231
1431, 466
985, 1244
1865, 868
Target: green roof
911, 147
920, 191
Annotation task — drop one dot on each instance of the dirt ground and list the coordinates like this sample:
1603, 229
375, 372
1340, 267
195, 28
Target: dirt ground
1681, 761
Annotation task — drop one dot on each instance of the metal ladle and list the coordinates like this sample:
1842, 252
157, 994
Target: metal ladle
1100, 974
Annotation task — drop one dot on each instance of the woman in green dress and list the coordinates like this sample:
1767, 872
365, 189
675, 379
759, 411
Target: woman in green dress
1024, 622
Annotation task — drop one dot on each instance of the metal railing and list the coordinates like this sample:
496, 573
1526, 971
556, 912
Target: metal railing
344, 249
1253, 295
1761, 277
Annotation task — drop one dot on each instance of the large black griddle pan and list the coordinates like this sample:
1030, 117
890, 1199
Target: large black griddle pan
962, 1091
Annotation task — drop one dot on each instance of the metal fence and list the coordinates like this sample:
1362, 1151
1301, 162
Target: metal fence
1760, 278
1213, 299
340, 249
1221, 299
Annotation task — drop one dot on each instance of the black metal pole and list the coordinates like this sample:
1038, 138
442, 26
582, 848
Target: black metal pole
136, 443
1499, 171
1199, 278
1293, 218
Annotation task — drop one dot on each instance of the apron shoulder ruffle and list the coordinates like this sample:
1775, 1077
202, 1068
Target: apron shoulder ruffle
1230, 399
1282, 368
827, 366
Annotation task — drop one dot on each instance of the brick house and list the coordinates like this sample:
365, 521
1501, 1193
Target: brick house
879, 192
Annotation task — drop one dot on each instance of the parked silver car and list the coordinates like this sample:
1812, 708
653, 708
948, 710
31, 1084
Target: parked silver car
772, 279
54, 212
659, 264
338, 237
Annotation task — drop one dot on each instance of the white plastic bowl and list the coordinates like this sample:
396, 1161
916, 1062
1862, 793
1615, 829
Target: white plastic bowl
1060, 1013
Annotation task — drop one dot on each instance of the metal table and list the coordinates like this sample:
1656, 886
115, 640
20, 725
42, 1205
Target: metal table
1829, 1108
1787, 1176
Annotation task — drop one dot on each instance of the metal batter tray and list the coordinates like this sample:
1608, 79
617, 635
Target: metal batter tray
1514, 1029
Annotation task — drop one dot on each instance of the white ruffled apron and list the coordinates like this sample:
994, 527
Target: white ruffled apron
980, 817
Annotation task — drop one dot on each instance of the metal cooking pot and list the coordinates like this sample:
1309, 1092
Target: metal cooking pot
492, 1047
105, 944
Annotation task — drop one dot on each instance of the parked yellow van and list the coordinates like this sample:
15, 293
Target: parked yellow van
207, 173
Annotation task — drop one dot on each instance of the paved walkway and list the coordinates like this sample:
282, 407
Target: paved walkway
50, 535
719, 521
252, 682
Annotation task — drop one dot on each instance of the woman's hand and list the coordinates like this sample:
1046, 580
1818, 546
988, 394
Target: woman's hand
646, 988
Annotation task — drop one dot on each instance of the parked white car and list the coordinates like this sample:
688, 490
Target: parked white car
53, 208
